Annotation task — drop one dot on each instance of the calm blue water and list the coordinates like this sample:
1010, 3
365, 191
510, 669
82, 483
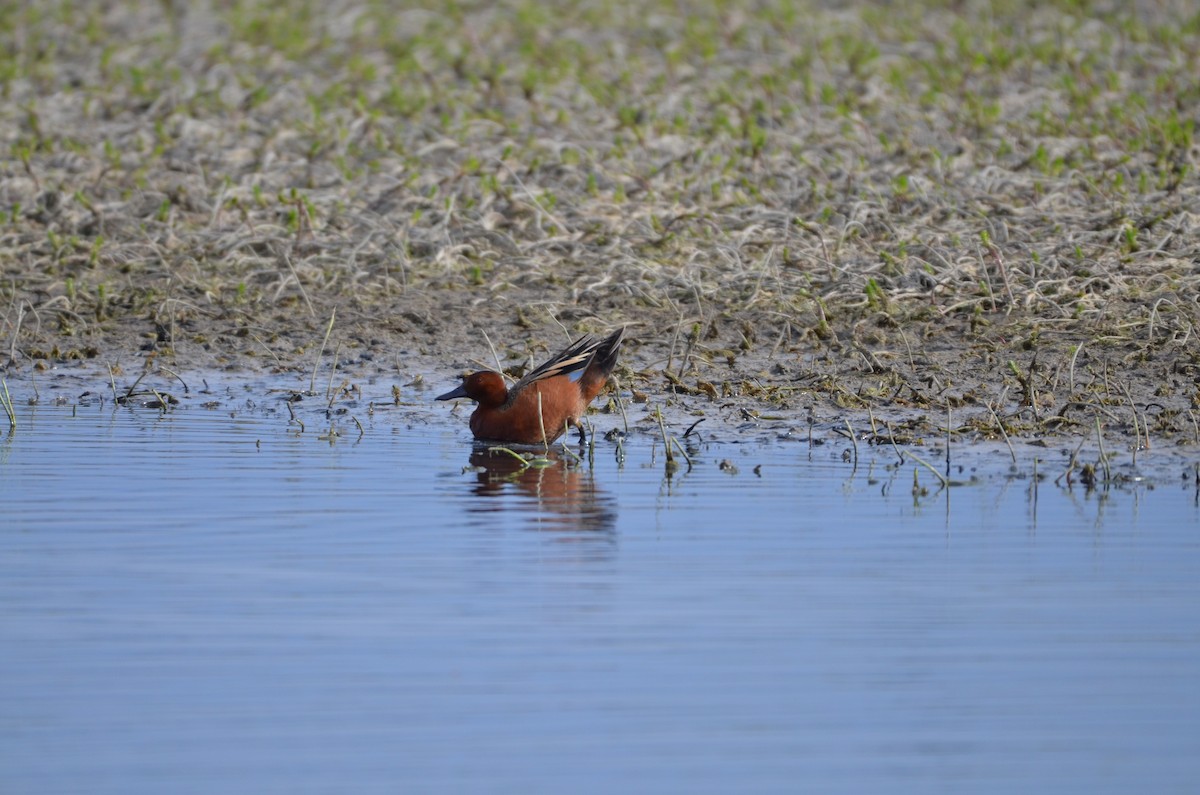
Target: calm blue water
211, 600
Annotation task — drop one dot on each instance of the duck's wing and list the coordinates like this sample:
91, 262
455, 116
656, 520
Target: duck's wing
570, 362
600, 366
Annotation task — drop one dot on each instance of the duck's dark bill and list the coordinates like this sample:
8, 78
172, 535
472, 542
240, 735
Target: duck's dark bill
459, 392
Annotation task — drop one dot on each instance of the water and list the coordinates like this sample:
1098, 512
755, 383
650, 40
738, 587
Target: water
212, 600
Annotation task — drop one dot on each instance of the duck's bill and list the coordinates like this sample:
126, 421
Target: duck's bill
459, 392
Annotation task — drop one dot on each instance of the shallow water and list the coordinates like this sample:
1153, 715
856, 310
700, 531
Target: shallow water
211, 600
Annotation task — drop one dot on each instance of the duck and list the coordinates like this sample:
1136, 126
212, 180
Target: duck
549, 399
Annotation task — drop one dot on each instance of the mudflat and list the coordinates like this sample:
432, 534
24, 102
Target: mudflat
987, 211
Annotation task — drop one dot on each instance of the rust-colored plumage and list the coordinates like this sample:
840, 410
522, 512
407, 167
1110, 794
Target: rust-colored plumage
547, 400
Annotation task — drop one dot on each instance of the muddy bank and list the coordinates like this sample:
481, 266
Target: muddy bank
852, 217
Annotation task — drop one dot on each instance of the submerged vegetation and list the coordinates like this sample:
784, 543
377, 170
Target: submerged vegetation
988, 207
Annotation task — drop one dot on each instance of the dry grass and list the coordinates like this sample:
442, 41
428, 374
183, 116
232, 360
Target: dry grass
966, 204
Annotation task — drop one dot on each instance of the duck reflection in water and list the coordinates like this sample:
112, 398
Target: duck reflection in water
564, 491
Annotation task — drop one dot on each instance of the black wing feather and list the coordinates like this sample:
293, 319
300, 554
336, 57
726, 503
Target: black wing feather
575, 358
